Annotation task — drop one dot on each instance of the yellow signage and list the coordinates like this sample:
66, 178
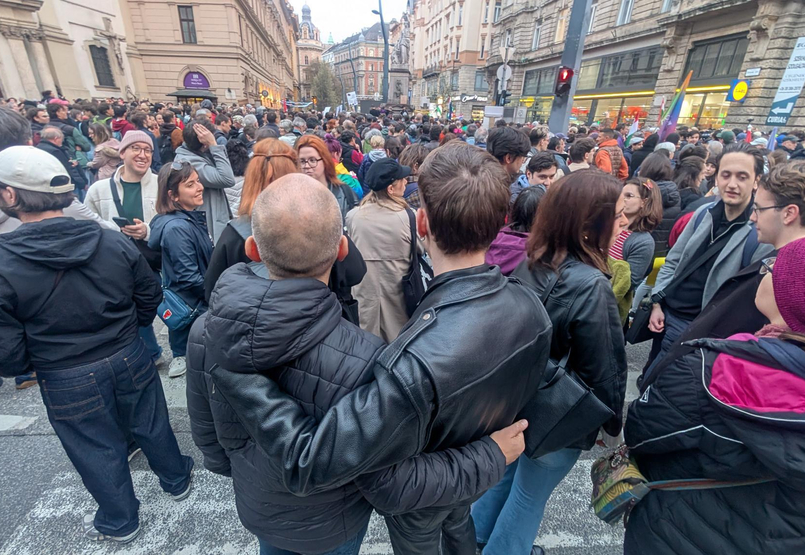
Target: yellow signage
738, 90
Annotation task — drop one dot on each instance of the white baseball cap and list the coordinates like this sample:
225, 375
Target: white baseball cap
33, 169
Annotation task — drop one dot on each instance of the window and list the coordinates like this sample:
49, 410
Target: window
483, 46
486, 12
306, 60
188, 24
457, 46
588, 75
717, 60
666, 6
631, 69
371, 67
508, 41
593, 11
537, 33
454, 81
625, 13
100, 59
480, 80
539, 81
561, 26
496, 16
460, 14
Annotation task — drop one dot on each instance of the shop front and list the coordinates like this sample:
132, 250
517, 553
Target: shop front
196, 88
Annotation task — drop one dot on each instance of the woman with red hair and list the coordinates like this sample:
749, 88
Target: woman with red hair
316, 161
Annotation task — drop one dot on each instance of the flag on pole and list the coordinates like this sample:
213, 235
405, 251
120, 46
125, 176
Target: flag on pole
748, 133
772, 140
672, 115
662, 111
632, 130
450, 109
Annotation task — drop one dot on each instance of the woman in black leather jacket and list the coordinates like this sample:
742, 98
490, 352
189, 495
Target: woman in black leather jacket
578, 220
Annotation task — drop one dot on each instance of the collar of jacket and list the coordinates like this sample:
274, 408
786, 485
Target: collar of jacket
462, 285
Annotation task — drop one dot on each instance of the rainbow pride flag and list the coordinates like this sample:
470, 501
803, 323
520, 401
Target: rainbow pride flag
671, 114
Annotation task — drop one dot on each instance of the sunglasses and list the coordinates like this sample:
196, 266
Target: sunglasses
767, 265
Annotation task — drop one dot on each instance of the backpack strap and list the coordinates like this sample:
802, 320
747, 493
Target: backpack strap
412, 223
116, 196
750, 246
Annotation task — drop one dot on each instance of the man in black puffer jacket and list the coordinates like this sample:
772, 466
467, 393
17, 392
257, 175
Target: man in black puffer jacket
289, 328
452, 376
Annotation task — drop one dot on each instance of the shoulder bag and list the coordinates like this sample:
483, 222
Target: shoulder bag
154, 258
419, 275
174, 311
618, 485
564, 410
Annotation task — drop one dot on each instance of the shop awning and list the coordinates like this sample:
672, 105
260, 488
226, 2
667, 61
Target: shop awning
194, 93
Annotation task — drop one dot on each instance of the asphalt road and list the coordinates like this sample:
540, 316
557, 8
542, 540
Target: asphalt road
43, 499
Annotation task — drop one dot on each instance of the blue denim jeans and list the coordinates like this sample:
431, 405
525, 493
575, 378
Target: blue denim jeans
674, 326
150, 339
351, 547
508, 516
93, 409
178, 338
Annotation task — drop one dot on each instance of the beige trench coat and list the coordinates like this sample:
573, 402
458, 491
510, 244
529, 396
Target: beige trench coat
383, 235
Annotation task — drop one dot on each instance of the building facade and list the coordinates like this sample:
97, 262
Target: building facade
638, 52
226, 50
450, 46
358, 63
309, 49
76, 49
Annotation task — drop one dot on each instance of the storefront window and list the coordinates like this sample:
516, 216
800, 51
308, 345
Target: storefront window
588, 75
714, 111
636, 107
539, 109
717, 60
607, 112
580, 112
631, 69
539, 81
691, 108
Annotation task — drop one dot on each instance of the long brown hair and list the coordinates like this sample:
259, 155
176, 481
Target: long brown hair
271, 160
168, 182
575, 218
650, 216
314, 142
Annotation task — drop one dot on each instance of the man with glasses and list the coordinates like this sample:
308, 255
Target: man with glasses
131, 194
718, 242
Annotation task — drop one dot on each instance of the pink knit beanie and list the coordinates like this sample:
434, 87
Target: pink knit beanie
135, 136
788, 277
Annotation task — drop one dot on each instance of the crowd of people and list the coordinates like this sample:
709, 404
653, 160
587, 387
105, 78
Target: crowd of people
370, 309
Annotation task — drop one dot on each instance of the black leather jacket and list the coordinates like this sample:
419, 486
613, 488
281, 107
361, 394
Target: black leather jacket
585, 321
469, 359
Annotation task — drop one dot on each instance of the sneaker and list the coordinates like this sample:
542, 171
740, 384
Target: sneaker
186, 493
92, 533
177, 368
134, 452
537, 550
30, 382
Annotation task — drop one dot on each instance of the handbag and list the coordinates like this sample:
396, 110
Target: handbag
618, 485
564, 409
153, 257
174, 311
638, 330
415, 281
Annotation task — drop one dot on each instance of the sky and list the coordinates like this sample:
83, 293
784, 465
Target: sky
344, 18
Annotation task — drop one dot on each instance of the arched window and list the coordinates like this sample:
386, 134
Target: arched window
306, 62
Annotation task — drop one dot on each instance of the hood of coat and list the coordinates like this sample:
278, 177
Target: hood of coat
166, 128
375, 155
507, 250
255, 324
758, 388
121, 124
58, 243
184, 154
161, 221
670, 194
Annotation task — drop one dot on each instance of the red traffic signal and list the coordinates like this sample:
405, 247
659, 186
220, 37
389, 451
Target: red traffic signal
564, 77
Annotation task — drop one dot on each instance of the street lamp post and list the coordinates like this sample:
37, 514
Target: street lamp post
379, 12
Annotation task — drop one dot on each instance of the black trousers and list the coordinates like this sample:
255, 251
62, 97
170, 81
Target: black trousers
448, 531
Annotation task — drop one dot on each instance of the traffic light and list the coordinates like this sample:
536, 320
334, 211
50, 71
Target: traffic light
503, 99
564, 77
315, 101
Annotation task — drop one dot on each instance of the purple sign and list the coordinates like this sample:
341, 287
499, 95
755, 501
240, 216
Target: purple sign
196, 80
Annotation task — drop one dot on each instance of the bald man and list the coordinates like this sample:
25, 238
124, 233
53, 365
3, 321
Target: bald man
289, 328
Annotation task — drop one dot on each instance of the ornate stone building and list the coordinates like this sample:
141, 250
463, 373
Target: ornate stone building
309, 48
358, 62
228, 50
639, 51
450, 45
77, 49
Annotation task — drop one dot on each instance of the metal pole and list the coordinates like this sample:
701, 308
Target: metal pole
571, 57
385, 53
354, 73
343, 91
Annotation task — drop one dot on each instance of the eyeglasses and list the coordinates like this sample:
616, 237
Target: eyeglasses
630, 195
767, 265
758, 209
141, 150
312, 162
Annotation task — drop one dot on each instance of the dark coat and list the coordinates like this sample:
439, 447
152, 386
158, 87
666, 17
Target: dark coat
586, 322
671, 208
688, 197
418, 401
61, 156
186, 248
290, 334
639, 155
351, 157
106, 292
694, 421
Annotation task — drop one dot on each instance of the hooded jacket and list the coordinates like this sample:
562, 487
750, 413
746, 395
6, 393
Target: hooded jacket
371, 157
507, 250
671, 207
100, 201
610, 159
351, 157
731, 410
60, 153
122, 126
106, 159
639, 155
186, 249
105, 292
290, 333
215, 173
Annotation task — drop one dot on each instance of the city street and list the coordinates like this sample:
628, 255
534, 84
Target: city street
43, 499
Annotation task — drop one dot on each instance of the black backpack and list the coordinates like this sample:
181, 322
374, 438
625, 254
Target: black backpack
166, 151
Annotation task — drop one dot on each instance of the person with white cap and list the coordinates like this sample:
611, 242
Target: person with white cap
72, 296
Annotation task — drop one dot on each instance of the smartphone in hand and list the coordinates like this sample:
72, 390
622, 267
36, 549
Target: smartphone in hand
122, 222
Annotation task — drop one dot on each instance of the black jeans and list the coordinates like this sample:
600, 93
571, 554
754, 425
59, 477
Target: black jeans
93, 409
433, 532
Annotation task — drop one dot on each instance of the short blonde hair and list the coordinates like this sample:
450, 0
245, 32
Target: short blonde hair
377, 141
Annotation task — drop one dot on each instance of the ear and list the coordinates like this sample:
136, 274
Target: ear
507, 158
791, 214
422, 223
343, 248
251, 250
